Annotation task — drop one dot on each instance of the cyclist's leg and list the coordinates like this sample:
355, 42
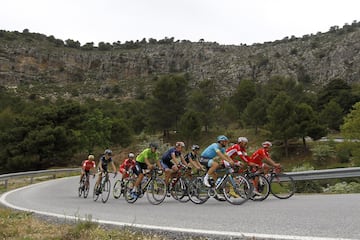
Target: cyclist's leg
167, 166
213, 165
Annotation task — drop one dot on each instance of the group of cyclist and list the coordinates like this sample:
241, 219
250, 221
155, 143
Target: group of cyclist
216, 155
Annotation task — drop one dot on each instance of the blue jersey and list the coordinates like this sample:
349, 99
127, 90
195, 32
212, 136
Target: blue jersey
166, 157
210, 151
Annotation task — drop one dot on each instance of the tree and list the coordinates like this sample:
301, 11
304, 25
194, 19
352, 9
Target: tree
282, 119
351, 127
308, 123
202, 101
255, 113
244, 93
190, 126
167, 103
332, 115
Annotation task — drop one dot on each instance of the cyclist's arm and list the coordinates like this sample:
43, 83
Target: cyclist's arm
148, 163
271, 162
174, 159
183, 160
194, 163
114, 168
224, 157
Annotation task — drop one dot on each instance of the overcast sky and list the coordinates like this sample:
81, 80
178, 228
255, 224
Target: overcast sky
221, 21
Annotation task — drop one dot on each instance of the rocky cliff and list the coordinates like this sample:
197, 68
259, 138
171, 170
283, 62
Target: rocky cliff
36, 64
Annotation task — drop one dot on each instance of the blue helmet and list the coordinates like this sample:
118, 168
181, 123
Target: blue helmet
222, 138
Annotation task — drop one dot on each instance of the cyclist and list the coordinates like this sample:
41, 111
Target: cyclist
127, 165
257, 158
103, 165
192, 157
262, 154
211, 156
170, 162
145, 160
238, 152
86, 166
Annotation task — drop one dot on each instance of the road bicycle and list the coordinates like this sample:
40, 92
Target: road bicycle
235, 188
178, 186
103, 188
282, 185
152, 185
119, 185
84, 185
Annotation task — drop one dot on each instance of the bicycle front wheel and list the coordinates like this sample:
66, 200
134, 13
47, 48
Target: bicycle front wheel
86, 190
197, 191
129, 186
156, 191
96, 192
237, 190
261, 190
105, 193
282, 185
117, 190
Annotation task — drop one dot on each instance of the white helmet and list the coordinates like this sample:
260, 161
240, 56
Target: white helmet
131, 155
243, 139
266, 144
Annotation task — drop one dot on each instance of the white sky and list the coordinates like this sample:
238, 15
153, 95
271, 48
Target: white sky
221, 21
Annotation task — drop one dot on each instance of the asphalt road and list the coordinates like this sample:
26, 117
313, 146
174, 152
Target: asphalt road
300, 217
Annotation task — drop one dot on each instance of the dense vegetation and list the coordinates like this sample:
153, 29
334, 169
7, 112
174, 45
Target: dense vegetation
39, 133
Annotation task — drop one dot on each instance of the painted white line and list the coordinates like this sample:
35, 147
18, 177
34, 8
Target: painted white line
161, 228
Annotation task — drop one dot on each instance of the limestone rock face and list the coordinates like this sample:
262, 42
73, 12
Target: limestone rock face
36, 64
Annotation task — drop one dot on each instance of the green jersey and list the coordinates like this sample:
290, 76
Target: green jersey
153, 157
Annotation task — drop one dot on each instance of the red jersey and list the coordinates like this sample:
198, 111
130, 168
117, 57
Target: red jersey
87, 165
236, 150
127, 164
259, 155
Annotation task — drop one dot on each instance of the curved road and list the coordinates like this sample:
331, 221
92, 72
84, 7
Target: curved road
300, 217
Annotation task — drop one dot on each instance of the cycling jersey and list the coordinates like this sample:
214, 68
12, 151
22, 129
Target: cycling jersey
211, 151
88, 164
259, 155
126, 166
167, 156
237, 151
104, 163
190, 155
153, 157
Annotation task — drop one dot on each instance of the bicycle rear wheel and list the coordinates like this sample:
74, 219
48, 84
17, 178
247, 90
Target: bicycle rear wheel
156, 191
117, 189
262, 190
197, 191
236, 189
105, 193
282, 185
179, 191
129, 186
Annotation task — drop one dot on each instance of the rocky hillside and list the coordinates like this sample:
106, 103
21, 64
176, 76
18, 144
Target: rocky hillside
33, 64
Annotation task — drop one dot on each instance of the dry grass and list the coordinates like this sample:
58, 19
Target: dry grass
22, 225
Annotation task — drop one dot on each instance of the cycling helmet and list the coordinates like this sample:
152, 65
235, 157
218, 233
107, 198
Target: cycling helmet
108, 152
131, 155
222, 138
91, 157
182, 144
154, 145
243, 139
266, 144
195, 147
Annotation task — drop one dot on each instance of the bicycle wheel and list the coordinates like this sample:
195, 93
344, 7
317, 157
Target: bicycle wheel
86, 190
105, 193
179, 191
117, 189
156, 191
96, 192
127, 191
236, 189
282, 185
80, 190
197, 191
262, 190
